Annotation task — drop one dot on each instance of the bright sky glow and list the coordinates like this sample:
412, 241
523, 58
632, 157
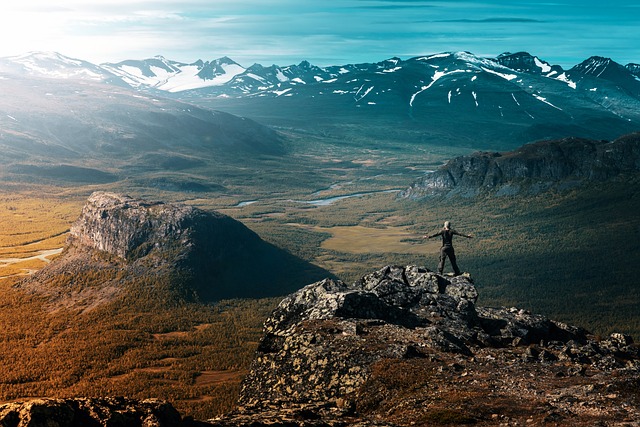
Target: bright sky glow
331, 32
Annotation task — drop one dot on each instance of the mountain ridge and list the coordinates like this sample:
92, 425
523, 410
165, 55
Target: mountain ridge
70, 129
531, 169
216, 73
441, 98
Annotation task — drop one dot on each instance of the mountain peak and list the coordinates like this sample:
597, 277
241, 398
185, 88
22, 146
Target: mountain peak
226, 60
608, 69
634, 69
59, 66
595, 62
525, 62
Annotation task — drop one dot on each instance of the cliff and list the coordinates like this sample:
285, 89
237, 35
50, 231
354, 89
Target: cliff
119, 244
531, 169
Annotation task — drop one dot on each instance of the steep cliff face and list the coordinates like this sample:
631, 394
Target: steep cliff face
132, 229
119, 243
531, 169
404, 345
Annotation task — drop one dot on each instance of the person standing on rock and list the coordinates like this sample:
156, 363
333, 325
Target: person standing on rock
447, 247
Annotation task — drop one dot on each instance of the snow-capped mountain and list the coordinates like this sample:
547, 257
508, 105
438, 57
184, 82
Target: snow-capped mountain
171, 76
517, 97
607, 69
55, 65
527, 63
455, 96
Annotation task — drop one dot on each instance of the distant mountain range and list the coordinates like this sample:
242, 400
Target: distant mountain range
226, 77
450, 98
454, 98
86, 126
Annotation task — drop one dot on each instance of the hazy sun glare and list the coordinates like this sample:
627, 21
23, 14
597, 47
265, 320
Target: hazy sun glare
30, 26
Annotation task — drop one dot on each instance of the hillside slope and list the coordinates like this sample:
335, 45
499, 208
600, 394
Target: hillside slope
404, 346
73, 130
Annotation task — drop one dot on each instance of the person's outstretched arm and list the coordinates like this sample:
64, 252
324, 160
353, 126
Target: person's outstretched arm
432, 236
468, 236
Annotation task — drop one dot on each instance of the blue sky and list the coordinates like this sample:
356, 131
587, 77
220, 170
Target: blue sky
327, 32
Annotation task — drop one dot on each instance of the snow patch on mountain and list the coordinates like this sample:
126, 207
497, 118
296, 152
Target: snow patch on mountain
435, 78
173, 76
52, 64
366, 92
544, 67
542, 99
508, 77
282, 92
563, 78
188, 78
514, 98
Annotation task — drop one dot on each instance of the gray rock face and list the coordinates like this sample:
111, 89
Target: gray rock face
532, 168
131, 229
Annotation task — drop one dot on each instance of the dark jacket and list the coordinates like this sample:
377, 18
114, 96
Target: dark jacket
447, 236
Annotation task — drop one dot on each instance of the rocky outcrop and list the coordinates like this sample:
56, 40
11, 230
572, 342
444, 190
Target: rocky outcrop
119, 242
113, 412
331, 351
133, 229
531, 169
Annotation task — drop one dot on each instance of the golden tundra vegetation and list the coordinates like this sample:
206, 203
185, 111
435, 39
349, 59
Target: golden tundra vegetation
570, 256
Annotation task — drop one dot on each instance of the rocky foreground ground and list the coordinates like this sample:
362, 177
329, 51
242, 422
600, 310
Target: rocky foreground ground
402, 346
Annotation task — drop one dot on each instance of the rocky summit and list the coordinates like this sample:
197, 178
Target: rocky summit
407, 346
121, 245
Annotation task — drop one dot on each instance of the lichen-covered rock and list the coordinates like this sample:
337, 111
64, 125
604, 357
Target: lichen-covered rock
324, 343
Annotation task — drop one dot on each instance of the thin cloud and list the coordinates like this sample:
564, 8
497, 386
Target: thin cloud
493, 21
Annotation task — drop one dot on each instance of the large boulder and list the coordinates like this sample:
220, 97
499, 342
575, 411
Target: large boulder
322, 342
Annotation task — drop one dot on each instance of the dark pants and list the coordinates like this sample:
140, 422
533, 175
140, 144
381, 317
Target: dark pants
447, 251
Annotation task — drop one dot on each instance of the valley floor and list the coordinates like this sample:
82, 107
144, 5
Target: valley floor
570, 256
